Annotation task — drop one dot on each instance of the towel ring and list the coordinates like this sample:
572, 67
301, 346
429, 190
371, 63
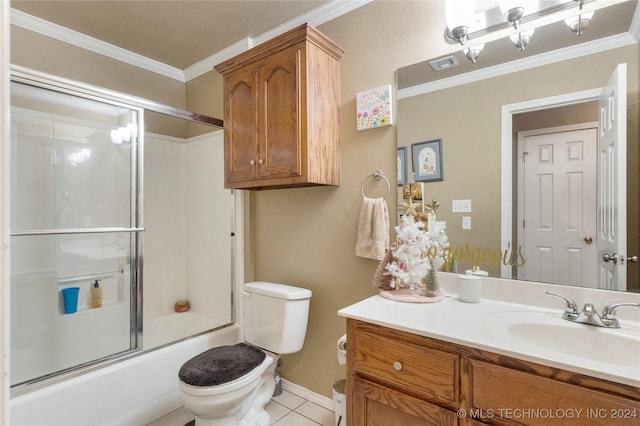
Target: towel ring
376, 175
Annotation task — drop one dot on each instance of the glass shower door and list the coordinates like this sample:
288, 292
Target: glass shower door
74, 225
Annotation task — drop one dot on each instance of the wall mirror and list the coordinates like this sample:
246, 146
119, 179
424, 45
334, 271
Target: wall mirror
542, 107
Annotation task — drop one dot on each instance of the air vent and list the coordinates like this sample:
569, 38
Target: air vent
444, 63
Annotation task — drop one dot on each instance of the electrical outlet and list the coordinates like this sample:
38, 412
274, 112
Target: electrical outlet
461, 206
466, 222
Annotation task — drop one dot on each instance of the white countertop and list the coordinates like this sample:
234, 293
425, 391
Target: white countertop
484, 326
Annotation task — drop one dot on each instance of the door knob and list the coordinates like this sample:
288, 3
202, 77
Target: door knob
252, 163
613, 258
632, 259
587, 240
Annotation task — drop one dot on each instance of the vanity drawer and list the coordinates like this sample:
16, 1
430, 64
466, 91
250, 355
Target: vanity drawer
513, 397
406, 365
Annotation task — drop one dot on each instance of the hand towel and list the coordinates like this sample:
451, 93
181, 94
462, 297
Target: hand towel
373, 229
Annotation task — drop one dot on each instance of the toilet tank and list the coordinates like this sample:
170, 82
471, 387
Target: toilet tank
275, 316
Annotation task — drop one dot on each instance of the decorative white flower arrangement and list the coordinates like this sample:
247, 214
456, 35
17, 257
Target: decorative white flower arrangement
415, 257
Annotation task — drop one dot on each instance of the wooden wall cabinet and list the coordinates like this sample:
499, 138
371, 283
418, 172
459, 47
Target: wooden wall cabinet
282, 112
396, 378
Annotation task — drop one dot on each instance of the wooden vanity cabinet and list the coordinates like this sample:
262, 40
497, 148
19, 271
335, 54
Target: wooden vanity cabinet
398, 378
282, 112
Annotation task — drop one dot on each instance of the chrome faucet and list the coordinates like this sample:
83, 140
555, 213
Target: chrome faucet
609, 313
589, 315
571, 312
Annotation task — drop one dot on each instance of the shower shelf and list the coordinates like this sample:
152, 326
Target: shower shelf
89, 277
85, 310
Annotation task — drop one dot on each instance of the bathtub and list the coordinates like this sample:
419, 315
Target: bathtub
131, 392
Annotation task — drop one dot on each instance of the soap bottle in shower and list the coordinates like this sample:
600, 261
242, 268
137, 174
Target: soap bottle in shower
96, 295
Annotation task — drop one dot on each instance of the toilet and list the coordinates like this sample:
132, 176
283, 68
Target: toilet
230, 385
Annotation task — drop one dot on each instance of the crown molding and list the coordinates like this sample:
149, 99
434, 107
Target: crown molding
83, 41
589, 48
207, 64
634, 28
316, 17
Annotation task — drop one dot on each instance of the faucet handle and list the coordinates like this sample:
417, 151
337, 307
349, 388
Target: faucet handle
609, 313
571, 312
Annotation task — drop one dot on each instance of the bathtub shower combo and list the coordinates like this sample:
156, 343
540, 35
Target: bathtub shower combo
94, 174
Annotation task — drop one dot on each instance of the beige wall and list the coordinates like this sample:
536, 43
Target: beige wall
306, 236
40, 53
44, 54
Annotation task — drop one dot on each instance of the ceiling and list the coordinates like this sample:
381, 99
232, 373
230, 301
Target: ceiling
177, 33
181, 33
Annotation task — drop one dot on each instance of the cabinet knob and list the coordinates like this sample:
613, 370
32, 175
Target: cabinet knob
397, 365
260, 161
252, 163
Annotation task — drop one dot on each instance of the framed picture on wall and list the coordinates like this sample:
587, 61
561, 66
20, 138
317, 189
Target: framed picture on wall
402, 165
427, 161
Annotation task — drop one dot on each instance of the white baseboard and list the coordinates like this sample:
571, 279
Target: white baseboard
305, 393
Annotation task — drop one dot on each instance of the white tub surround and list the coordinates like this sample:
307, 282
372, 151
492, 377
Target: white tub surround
480, 325
131, 392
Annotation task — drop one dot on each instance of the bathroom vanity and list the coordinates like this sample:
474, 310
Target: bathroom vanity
453, 363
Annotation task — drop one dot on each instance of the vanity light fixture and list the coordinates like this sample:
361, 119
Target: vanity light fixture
577, 24
522, 39
467, 23
459, 15
514, 10
473, 52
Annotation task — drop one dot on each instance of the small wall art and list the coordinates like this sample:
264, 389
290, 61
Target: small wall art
427, 161
373, 108
402, 165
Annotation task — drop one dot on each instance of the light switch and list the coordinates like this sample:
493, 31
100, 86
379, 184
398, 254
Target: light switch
466, 222
461, 206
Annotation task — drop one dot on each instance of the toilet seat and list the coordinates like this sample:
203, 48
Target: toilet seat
224, 369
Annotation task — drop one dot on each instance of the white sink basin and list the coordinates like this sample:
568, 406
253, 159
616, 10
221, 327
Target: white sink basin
620, 347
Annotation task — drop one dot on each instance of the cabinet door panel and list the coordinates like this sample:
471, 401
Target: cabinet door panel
376, 405
240, 127
508, 396
279, 115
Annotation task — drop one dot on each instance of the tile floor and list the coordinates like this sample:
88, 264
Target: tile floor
287, 409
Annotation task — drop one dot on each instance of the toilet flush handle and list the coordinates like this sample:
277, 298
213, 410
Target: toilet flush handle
246, 294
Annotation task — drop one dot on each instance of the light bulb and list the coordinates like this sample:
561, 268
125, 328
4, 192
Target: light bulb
577, 24
124, 134
473, 52
116, 139
521, 40
459, 15
514, 10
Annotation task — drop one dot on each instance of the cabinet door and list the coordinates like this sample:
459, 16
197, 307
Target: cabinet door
376, 405
504, 396
240, 134
279, 114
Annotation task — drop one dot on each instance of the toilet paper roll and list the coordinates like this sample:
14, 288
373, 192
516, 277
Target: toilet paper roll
341, 345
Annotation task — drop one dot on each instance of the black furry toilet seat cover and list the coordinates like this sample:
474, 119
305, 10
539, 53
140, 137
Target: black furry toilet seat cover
221, 365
